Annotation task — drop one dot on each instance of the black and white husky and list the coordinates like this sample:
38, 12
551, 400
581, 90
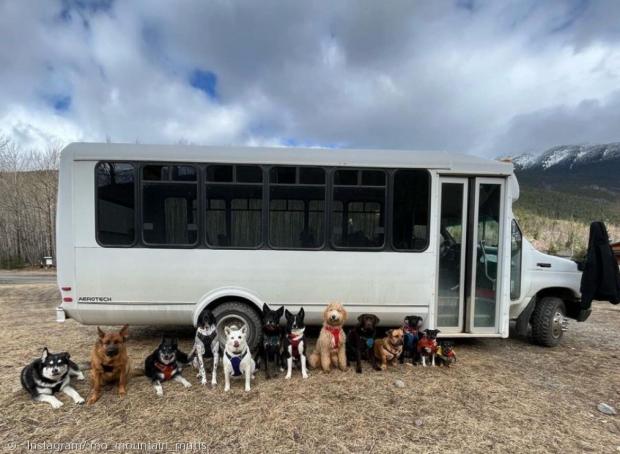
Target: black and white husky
165, 364
206, 345
49, 374
294, 343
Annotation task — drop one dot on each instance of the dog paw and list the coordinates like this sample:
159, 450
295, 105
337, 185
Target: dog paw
247, 389
91, 400
226, 389
80, 401
203, 381
288, 377
304, 375
213, 384
56, 404
187, 384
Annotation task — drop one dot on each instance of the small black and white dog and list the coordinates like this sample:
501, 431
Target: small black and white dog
49, 374
206, 345
294, 343
166, 363
271, 346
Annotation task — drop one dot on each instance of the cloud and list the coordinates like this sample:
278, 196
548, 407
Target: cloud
473, 76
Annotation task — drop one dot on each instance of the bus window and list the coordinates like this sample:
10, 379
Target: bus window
411, 210
234, 205
358, 214
115, 204
297, 207
169, 205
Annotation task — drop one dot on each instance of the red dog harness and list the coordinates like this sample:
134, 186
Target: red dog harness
294, 341
166, 369
335, 331
425, 342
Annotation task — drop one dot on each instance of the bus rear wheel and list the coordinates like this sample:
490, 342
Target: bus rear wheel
548, 321
238, 313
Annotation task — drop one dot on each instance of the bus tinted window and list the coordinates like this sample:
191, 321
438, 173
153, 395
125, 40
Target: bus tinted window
168, 173
358, 214
234, 211
115, 204
169, 205
411, 210
296, 210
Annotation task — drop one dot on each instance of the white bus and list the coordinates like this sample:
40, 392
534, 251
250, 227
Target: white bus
156, 234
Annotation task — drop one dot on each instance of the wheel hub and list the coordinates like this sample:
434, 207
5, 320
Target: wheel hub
560, 324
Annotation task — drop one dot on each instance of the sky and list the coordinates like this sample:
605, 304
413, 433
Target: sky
490, 78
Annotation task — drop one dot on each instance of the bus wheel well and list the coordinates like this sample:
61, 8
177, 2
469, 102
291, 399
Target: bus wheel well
571, 303
227, 299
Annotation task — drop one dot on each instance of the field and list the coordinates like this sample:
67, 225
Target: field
502, 396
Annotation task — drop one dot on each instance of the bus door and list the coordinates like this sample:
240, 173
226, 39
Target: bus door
469, 255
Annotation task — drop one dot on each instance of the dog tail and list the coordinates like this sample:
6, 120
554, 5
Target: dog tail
313, 360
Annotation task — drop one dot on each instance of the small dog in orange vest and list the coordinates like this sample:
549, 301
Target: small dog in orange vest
330, 347
427, 346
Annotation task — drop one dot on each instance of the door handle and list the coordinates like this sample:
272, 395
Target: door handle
543, 265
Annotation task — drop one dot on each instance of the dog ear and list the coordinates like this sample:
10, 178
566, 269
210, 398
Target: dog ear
360, 318
124, 332
287, 314
227, 330
301, 314
100, 333
389, 332
345, 314
266, 309
66, 355
279, 312
244, 329
44, 354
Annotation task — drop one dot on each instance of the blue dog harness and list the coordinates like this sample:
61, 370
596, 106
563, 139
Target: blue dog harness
235, 362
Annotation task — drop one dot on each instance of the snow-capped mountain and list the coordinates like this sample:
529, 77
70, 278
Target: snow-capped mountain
569, 157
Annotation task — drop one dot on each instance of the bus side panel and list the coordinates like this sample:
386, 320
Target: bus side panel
387, 283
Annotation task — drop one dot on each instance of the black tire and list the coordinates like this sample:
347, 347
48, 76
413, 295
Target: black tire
233, 312
546, 328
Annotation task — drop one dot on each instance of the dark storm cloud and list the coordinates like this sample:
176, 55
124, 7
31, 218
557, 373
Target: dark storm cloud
473, 76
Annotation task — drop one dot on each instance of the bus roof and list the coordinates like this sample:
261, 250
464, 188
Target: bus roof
440, 160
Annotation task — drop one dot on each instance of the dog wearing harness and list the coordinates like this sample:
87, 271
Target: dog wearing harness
238, 361
361, 340
166, 363
271, 345
294, 343
206, 345
427, 346
412, 328
330, 346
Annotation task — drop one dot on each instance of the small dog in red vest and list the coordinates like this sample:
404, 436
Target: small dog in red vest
166, 363
294, 343
330, 347
427, 346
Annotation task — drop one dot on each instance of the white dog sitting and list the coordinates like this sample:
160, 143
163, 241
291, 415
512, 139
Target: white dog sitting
237, 358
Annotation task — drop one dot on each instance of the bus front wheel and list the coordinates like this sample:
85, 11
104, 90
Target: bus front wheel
238, 313
548, 321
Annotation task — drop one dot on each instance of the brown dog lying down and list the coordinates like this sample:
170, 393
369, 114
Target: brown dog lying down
109, 363
388, 349
330, 346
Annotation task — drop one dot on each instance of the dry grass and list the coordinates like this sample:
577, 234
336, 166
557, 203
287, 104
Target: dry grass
502, 396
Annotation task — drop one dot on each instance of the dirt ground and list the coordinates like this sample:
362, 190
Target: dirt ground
502, 396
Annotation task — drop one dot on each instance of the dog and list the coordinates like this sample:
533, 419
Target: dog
388, 348
237, 358
271, 345
412, 327
330, 346
206, 345
445, 354
427, 346
165, 363
294, 343
361, 339
109, 363
49, 374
